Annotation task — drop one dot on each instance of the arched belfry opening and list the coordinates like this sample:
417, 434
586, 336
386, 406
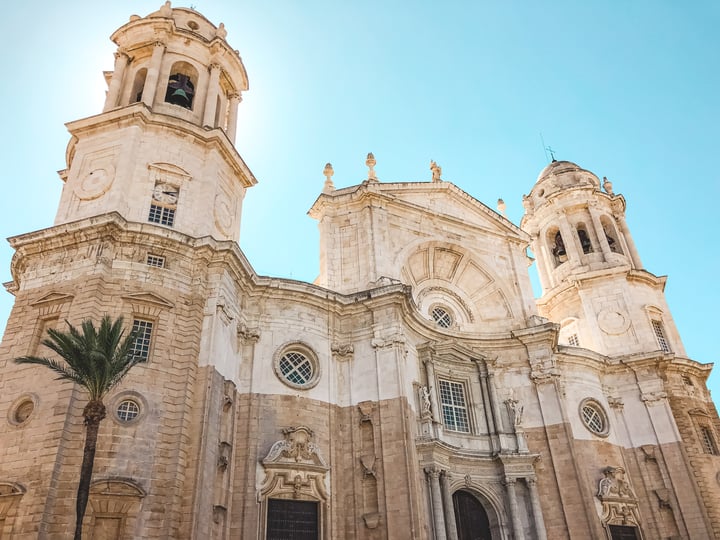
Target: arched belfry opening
471, 518
181, 85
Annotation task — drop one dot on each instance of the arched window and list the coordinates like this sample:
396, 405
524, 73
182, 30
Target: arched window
584, 238
611, 235
138, 86
181, 85
557, 246
470, 517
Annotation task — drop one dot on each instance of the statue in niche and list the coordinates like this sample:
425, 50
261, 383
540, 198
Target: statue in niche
425, 396
515, 410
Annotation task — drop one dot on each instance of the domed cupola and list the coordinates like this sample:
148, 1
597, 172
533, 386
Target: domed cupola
576, 226
590, 271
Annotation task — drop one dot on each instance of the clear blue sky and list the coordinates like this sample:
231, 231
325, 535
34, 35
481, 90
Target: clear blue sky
628, 90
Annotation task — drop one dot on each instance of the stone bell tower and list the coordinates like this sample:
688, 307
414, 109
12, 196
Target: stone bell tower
592, 278
162, 149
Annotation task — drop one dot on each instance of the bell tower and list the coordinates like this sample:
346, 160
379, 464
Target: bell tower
592, 278
161, 152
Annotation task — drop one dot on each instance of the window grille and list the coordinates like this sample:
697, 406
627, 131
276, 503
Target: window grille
161, 215
143, 333
454, 408
660, 335
296, 368
156, 261
128, 410
708, 441
594, 418
573, 340
442, 317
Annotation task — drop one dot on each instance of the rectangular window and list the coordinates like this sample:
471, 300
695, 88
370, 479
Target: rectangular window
454, 408
708, 441
573, 340
660, 335
143, 333
161, 215
288, 518
623, 532
156, 261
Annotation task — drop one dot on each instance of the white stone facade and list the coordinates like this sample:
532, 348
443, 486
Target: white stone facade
416, 390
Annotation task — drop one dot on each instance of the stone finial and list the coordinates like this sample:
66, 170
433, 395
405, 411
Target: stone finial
607, 186
221, 32
328, 172
501, 206
370, 163
436, 171
166, 10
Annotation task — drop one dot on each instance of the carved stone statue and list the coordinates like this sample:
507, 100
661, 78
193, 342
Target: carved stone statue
515, 410
436, 171
425, 396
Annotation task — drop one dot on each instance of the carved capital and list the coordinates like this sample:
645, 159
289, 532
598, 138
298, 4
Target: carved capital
248, 335
342, 351
653, 398
433, 472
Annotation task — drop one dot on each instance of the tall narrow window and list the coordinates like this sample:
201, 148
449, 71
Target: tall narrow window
138, 85
143, 334
660, 335
181, 85
708, 441
454, 408
163, 205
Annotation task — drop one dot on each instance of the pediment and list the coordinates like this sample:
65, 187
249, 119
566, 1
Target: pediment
447, 201
168, 173
52, 298
453, 350
149, 299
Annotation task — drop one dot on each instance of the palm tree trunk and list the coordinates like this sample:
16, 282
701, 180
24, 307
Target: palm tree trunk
94, 412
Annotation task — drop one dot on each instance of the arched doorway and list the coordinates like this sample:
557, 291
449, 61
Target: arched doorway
471, 518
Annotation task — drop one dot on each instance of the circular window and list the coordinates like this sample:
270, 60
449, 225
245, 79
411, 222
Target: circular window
296, 366
21, 411
128, 410
441, 316
594, 417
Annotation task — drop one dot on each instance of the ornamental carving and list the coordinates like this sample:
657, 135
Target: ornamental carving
619, 503
295, 468
342, 351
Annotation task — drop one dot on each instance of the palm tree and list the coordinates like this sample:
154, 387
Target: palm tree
97, 360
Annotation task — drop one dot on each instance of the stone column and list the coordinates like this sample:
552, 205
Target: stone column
121, 62
629, 242
569, 236
213, 88
231, 128
536, 509
153, 73
600, 233
437, 506
514, 513
449, 507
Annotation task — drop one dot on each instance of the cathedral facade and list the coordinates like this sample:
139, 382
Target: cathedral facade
417, 389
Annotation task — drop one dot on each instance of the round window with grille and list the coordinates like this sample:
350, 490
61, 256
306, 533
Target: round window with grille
442, 316
296, 366
594, 418
128, 410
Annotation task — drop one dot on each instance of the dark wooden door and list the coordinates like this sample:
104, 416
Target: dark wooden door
470, 516
292, 520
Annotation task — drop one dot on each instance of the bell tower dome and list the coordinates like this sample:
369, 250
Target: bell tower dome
162, 150
592, 278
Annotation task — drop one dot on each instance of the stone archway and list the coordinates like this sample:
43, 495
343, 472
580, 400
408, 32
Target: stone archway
471, 518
